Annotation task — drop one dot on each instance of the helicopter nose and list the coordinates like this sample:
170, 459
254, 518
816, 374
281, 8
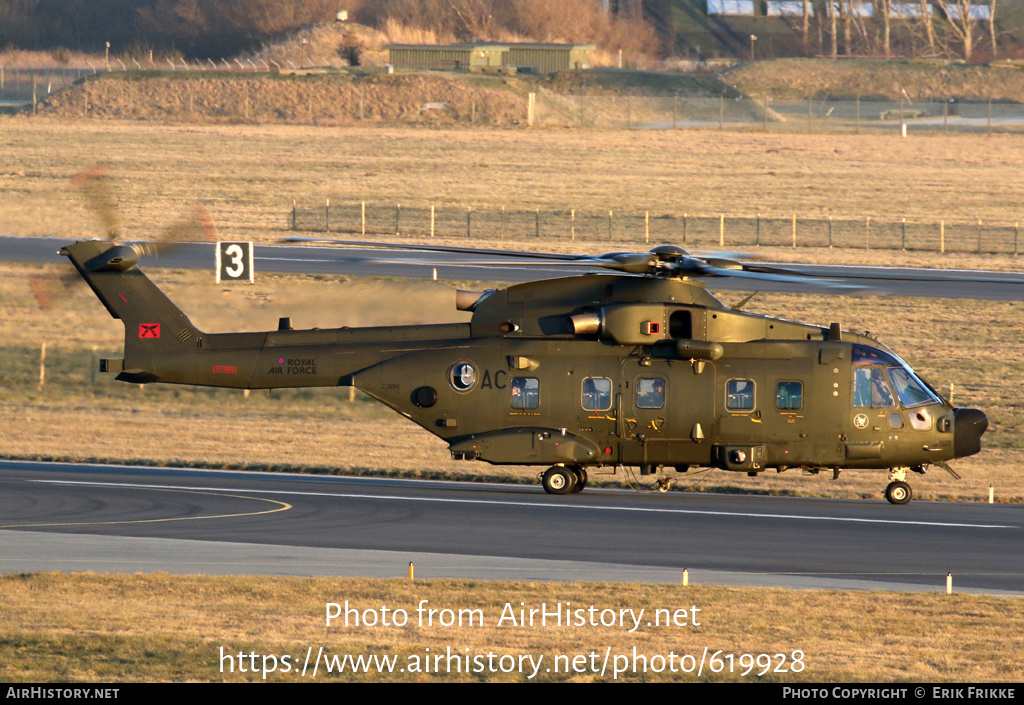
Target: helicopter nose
968, 427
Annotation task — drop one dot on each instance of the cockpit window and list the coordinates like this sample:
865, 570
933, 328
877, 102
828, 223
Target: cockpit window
909, 388
867, 355
871, 389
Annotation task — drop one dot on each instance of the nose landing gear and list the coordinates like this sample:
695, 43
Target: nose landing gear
898, 491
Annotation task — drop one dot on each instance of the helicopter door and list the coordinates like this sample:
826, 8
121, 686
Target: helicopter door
667, 412
598, 404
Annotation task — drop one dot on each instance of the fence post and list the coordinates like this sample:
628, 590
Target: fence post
537, 224
363, 217
903, 239
979, 236
1016, 234
469, 224
293, 214
942, 237
327, 216
572, 224
684, 228
830, 231
647, 227
757, 231
867, 233
609, 226
431, 220
794, 231
721, 230
42, 367
398, 219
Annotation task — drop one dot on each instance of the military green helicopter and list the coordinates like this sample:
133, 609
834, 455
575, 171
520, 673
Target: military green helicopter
635, 365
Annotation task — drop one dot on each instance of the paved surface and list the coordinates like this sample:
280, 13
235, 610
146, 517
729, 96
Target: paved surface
122, 519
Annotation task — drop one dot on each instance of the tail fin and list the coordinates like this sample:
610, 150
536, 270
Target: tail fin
153, 325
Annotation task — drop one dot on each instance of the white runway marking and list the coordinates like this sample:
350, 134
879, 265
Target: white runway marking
548, 505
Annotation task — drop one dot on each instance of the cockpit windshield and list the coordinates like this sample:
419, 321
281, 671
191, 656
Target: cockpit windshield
871, 387
911, 390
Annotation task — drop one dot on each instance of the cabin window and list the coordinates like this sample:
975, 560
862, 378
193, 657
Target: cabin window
739, 395
597, 393
650, 393
525, 393
870, 388
789, 396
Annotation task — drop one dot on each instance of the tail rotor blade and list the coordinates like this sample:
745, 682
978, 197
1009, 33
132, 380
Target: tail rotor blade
94, 183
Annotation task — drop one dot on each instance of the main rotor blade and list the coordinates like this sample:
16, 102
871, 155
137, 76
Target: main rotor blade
367, 244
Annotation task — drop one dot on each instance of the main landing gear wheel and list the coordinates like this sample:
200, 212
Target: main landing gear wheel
581, 479
558, 480
898, 492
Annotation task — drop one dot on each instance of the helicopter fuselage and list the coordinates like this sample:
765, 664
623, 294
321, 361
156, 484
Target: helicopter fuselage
578, 373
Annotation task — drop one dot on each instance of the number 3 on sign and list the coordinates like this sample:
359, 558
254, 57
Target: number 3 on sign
235, 262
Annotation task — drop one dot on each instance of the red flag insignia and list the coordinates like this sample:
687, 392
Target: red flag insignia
149, 330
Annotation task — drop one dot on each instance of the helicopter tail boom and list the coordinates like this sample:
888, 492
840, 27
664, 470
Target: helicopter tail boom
161, 344
154, 325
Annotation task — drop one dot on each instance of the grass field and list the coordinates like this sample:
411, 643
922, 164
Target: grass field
248, 175
153, 628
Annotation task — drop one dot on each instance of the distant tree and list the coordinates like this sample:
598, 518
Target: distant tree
962, 22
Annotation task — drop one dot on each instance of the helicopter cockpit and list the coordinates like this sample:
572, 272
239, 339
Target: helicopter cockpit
877, 374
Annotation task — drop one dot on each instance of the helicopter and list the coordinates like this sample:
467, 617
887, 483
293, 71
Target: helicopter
632, 363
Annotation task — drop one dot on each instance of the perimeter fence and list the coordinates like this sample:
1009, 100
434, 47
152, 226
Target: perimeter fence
19, 85
808, 114
368, 221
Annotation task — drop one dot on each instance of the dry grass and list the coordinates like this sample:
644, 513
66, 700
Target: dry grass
248, 175
171, 628
923, 81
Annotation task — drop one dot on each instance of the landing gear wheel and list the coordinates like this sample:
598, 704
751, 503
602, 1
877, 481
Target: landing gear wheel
581, 479
898, 492
558, 480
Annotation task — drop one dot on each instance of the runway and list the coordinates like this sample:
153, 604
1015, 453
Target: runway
123, 519
420, 263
